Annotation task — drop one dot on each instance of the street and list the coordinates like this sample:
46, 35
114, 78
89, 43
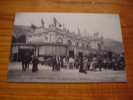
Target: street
45, 74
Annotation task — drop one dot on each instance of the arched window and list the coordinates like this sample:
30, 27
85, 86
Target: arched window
76, 44
46, 38
59, 41
82, 44
99, 46
69, 42
87, 46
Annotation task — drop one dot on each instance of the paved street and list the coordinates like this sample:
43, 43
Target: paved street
45, 74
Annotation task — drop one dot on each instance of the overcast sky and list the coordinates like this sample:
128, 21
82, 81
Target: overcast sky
108, 25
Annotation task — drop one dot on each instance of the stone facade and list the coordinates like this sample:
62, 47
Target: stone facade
53, 40
70, 43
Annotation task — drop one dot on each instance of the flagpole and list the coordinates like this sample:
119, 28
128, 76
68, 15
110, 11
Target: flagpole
63, 26
54, 21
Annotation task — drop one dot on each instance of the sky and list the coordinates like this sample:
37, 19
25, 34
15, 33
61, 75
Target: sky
108, 25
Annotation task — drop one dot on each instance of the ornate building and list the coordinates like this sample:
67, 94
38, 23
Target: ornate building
55, 40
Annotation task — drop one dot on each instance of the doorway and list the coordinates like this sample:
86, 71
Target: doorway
23, 51
71, 53
80, 54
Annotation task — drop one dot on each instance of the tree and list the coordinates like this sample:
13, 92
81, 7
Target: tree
14, 40
21, 39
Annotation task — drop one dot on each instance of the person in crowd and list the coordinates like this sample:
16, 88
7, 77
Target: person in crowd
104, 63
93, 64
85, 64
61, 62
89, 64
71, 63
54, 63
25, 61
107, 64
115, 64
65, 62
121, 63
76, 63
35, 64
41, 60
110, 64
100, 63
49, 61
67, 59
58, 62
81, 65
29, 59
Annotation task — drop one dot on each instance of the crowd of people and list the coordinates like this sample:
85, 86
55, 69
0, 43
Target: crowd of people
84, 64
26, 59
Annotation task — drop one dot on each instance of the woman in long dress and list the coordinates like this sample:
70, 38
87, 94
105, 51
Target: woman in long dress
93, 63
85, 62
71, 63
35, 64
65, 63
81, 65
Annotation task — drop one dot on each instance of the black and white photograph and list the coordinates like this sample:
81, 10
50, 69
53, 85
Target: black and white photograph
67, 48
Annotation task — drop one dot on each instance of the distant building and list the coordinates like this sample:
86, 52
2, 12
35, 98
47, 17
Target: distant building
54, 40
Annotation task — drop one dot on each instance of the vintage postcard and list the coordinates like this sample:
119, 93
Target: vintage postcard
67, 48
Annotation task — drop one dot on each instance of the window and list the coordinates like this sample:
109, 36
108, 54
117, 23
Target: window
87, 46
99, 46
59, 41
69, 42
46, 38
76, 44
82, 44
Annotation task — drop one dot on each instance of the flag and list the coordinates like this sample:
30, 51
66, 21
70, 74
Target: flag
97, 33
78, 31
54, 21
60, 25
57, 23
42, 21
63, 26
33, 26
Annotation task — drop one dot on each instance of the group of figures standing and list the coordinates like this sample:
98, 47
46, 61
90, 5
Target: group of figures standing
82, 63
69, 63
26, 59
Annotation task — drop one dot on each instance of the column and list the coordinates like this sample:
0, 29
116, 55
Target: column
17, 52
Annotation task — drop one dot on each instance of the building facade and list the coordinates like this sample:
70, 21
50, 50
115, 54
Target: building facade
55, 40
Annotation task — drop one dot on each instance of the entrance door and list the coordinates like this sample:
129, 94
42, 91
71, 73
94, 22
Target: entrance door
23, 51
80, 54
110, 55
71, 53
